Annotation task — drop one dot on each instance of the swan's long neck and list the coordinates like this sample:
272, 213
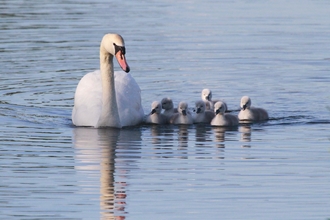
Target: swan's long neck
109, 114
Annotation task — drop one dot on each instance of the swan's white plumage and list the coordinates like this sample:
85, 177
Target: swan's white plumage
155, 116
249, 113
169, 110
221, 118
183, 116
202, 115
88, 100
207, 98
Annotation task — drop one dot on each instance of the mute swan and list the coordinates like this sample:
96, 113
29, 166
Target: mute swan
207, 98
183, 116
202, 115
105, 98
249, 113
221, 118
167, 105
155, 116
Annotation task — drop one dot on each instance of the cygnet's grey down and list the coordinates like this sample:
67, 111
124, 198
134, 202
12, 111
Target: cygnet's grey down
221, 118
249, 113
169, 110
207, 98
202, 115
183, 116
155, 116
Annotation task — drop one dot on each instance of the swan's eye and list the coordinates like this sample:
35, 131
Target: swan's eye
119, 48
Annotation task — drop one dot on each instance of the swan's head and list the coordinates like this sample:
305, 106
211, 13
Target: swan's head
219, 108
200, 106
115, 45
156, 107
206, 95
245, 102
167, 103
183, 108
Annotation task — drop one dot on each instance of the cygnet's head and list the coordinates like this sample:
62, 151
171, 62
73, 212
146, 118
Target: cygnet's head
156, 107
167, 103
115, 45
219, 108
183, 108
200, 106
206, 95
245, 102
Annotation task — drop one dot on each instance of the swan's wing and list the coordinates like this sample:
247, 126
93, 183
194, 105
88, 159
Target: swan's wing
88, 100
232, 120
128, 95
260, 114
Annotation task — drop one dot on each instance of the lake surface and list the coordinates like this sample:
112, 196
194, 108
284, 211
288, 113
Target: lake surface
277, 52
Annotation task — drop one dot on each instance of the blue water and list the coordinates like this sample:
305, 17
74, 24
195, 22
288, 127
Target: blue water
277, 52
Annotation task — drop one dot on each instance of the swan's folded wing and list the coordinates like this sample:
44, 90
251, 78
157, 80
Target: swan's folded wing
88, 100
128, 95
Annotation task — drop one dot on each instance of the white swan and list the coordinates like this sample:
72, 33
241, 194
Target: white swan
155, 116
183, 116
202, 115
207, 98
249, 113
221, 118
105, 98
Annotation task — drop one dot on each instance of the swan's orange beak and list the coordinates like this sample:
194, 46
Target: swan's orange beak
122, 61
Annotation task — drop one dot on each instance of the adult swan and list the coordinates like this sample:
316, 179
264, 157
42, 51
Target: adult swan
105, 98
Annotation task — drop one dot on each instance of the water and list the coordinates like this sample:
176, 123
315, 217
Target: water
277, 52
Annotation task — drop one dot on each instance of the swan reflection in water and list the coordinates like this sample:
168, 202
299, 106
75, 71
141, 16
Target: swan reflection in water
203, 134
221, 134
161, 135
169, 141
105, 150
245, 131
173, 141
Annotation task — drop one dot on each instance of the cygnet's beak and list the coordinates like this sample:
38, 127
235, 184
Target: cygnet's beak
198, 110
217, 111
184, 112
244, 107
153, 111
122, 61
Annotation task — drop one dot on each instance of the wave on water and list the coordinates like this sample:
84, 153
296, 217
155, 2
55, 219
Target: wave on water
59, 116
296, 120
36, 115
